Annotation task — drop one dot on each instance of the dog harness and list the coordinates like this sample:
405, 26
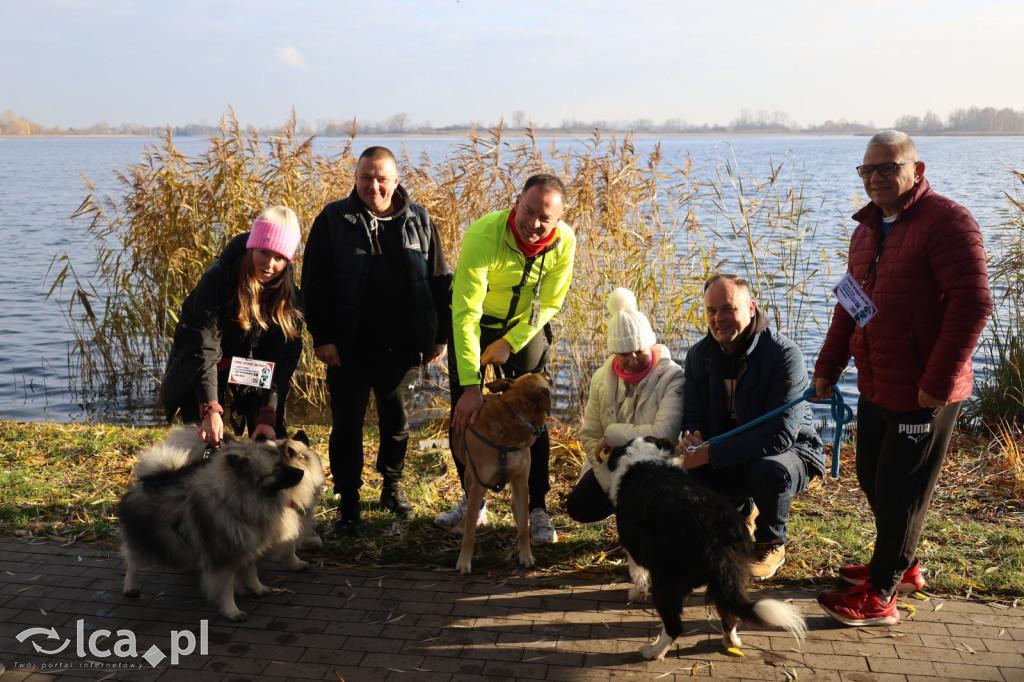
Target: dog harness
502, 451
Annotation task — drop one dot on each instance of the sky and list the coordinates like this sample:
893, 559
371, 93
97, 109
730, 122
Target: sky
74, 63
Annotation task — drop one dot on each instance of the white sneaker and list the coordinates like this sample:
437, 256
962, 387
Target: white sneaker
541, 530
452, 517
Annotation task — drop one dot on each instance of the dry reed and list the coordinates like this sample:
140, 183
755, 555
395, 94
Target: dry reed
657, 230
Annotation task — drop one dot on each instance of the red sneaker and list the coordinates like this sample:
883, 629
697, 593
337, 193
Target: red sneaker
860, 605
912, 580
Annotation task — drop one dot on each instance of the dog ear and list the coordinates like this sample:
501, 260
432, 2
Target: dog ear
301, 436
499, 385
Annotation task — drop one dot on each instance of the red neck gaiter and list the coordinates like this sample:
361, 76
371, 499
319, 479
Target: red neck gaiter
529, 250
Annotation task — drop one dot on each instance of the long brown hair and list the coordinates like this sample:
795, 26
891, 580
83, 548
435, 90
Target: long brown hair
275, 302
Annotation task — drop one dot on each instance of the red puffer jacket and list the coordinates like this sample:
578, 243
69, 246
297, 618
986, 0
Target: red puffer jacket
930, 286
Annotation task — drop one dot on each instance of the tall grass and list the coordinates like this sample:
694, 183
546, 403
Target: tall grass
998, 404
656, 229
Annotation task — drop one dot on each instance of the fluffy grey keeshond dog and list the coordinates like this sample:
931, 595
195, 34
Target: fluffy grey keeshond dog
219, 514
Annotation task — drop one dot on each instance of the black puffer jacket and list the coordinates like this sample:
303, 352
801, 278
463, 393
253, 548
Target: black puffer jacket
208, 331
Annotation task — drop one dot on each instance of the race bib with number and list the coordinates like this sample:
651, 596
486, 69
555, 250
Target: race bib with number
854, 300
249, 372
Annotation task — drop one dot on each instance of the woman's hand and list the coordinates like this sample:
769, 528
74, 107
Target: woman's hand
212, 429
265, 430
601, 449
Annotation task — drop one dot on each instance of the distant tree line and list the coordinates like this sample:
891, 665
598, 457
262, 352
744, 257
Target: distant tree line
987, 120
973, 120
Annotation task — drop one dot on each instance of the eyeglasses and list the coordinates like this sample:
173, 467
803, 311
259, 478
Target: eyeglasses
883, 168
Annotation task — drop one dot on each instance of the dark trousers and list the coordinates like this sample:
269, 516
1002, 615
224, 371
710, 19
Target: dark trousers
532, 358
392, 378
899, 458
588, 502
769, 482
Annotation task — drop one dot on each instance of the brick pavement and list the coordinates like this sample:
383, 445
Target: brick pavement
356, 624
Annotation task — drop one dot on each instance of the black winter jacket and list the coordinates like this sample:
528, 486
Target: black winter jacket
208, 331
337, 259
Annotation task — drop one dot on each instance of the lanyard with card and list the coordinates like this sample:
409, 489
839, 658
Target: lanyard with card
852, 297
250, 372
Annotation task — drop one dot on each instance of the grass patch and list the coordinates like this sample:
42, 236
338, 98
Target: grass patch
64, 482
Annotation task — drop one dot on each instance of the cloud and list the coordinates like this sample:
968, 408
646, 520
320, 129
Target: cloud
291, 57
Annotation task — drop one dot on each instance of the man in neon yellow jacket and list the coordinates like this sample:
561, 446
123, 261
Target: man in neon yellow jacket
514, 271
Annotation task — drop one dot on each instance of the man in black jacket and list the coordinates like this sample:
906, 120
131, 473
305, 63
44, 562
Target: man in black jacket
376, 286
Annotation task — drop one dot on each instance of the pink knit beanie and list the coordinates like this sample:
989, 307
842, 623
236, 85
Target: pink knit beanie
277, 230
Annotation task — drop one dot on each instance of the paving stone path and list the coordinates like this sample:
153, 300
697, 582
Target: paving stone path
356, 624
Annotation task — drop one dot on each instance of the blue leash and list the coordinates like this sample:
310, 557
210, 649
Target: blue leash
841, 413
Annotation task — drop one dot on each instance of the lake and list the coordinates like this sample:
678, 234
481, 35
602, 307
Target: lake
41, 185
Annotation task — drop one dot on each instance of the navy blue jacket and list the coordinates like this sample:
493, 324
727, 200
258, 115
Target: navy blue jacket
771, 374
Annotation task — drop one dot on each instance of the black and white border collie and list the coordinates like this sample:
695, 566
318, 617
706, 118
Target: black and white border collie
680, 535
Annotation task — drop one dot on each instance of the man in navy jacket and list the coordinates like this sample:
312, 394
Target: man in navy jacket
740, 371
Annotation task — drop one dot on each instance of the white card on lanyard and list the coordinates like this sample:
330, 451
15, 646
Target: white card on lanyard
249, 372
854, 300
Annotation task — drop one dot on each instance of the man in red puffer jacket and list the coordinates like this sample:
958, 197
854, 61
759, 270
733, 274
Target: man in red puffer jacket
911, 309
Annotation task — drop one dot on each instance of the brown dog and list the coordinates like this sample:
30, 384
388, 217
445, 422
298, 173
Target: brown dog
496, 450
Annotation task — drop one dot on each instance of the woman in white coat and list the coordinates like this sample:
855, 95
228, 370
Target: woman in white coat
637, 392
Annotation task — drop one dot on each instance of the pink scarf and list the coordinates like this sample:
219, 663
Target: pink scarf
639, 376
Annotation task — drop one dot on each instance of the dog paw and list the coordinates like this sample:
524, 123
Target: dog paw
132, 592
527, 560
312, 543
464, 566
637, 593
236, 616
294, 563
653, 652
730, 640
656, 651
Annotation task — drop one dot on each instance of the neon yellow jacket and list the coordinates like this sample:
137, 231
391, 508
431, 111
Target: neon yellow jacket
490, 266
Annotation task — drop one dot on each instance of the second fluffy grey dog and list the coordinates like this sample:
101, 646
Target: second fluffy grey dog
302, 500
218, 515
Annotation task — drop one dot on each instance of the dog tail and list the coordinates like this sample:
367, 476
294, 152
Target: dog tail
781, 615
727, 591
160, 461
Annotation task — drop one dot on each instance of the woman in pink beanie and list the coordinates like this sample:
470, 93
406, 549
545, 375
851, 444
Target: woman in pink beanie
239, 335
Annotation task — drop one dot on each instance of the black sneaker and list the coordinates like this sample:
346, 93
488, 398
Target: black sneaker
393, 499
348, 517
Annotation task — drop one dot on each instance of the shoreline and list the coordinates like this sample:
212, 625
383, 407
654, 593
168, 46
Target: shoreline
467, 132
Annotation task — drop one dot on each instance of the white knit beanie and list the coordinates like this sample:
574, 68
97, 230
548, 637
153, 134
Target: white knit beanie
628, 328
